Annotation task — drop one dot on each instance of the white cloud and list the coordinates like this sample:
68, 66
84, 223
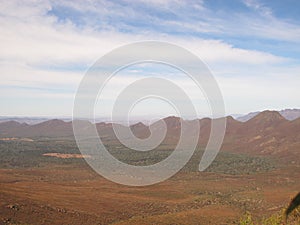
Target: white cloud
21, 75
257, 6
35, 46
41, 39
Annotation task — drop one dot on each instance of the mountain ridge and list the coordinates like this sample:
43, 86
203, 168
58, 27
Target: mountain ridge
267, 133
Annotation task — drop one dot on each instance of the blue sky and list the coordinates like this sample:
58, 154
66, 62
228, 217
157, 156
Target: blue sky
251, 46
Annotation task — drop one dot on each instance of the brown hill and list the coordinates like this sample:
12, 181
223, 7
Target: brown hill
50, 128
140, 130
263, 122
10, 128
268, 133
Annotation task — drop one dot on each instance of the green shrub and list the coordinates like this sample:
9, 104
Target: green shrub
275, 219
246, 220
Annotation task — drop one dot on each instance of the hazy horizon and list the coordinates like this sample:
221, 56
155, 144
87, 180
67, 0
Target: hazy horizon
146, 119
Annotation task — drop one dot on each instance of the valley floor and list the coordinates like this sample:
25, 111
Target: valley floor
69, 194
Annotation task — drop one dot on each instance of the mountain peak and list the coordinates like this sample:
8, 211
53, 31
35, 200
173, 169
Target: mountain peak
172, 121
139, 124
267, 117
230, 119
289, 114
53, 122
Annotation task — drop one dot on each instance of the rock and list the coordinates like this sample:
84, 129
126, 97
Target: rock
13, 206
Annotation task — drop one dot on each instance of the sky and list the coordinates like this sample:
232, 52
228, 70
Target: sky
252, 47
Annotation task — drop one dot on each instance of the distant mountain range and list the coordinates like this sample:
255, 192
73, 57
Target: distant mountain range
36, 120
289, 114
29, 120
266, 133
